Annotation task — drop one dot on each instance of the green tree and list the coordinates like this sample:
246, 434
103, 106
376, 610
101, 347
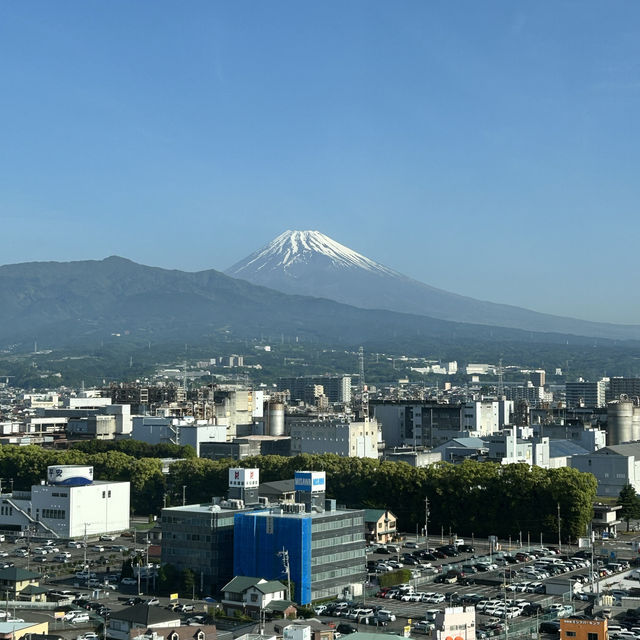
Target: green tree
188, 580
630, 503
127, 569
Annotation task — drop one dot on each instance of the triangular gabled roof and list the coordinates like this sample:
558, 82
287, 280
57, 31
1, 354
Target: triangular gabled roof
239, 584
273, 586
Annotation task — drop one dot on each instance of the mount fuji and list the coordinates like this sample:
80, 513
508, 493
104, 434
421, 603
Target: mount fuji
312, 264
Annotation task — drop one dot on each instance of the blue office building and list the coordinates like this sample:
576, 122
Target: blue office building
325, 545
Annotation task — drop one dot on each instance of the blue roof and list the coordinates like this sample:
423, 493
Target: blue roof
562, 448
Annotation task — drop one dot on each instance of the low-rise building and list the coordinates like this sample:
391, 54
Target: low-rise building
184, 632
140, 618
17, 630
605, 520
380, 526
14, 580
251, 596
613, 466
577, 629
456, 622
69, 504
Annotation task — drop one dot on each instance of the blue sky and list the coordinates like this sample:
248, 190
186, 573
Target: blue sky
487, 148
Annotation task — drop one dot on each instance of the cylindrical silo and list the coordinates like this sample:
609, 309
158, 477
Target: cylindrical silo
276, 419
636, 423
619, 422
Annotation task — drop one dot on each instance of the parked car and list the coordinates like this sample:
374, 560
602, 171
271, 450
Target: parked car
411, 545
80, 618
345, 628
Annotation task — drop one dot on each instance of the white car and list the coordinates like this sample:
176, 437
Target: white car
129, 581
107, 537
98, 547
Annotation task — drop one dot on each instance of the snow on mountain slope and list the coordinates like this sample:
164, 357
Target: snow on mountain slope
296, 248
312, 264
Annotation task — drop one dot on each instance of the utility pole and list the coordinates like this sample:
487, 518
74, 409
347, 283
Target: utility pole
426, 521
84, 542
147, 563
284, 556
184, 488
559, 532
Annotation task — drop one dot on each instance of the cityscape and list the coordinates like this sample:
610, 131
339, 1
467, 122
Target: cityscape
319, 320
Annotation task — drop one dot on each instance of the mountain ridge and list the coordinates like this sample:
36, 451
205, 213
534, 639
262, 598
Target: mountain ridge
314, 271
60, 303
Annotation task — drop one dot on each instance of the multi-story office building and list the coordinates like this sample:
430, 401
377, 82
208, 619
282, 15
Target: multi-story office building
334, 434
200, 536
324, 547
623, 386
336, 388
587, 394
411, 423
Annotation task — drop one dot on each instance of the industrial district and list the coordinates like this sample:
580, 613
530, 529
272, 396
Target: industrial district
91, 551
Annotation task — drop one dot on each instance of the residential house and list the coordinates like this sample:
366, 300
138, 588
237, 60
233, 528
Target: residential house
186, 632
17, 630
253, 595
140, 617
380, 525
13, 581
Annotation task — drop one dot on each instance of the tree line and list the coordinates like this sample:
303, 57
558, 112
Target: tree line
480, 498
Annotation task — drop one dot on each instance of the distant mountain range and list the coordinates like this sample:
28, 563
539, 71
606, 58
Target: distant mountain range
312, 264
71, 303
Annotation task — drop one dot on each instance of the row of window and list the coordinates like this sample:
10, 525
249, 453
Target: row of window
337, 557
332, 542
54, 514
338, 524
64, 495
337, 573
6, 511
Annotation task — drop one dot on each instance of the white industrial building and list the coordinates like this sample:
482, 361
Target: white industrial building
456, 622
182, 431
484, 417
339, 435
68, 504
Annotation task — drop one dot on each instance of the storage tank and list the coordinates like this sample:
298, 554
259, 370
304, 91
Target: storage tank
619, 422
636, 422
74, 475
276, 419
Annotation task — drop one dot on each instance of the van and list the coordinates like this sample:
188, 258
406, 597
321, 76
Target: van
386, 615
393, 548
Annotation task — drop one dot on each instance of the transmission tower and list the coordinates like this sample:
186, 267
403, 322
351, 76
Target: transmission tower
364, 396
500, 380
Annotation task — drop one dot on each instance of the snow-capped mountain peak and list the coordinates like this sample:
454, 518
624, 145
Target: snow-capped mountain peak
292, 249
